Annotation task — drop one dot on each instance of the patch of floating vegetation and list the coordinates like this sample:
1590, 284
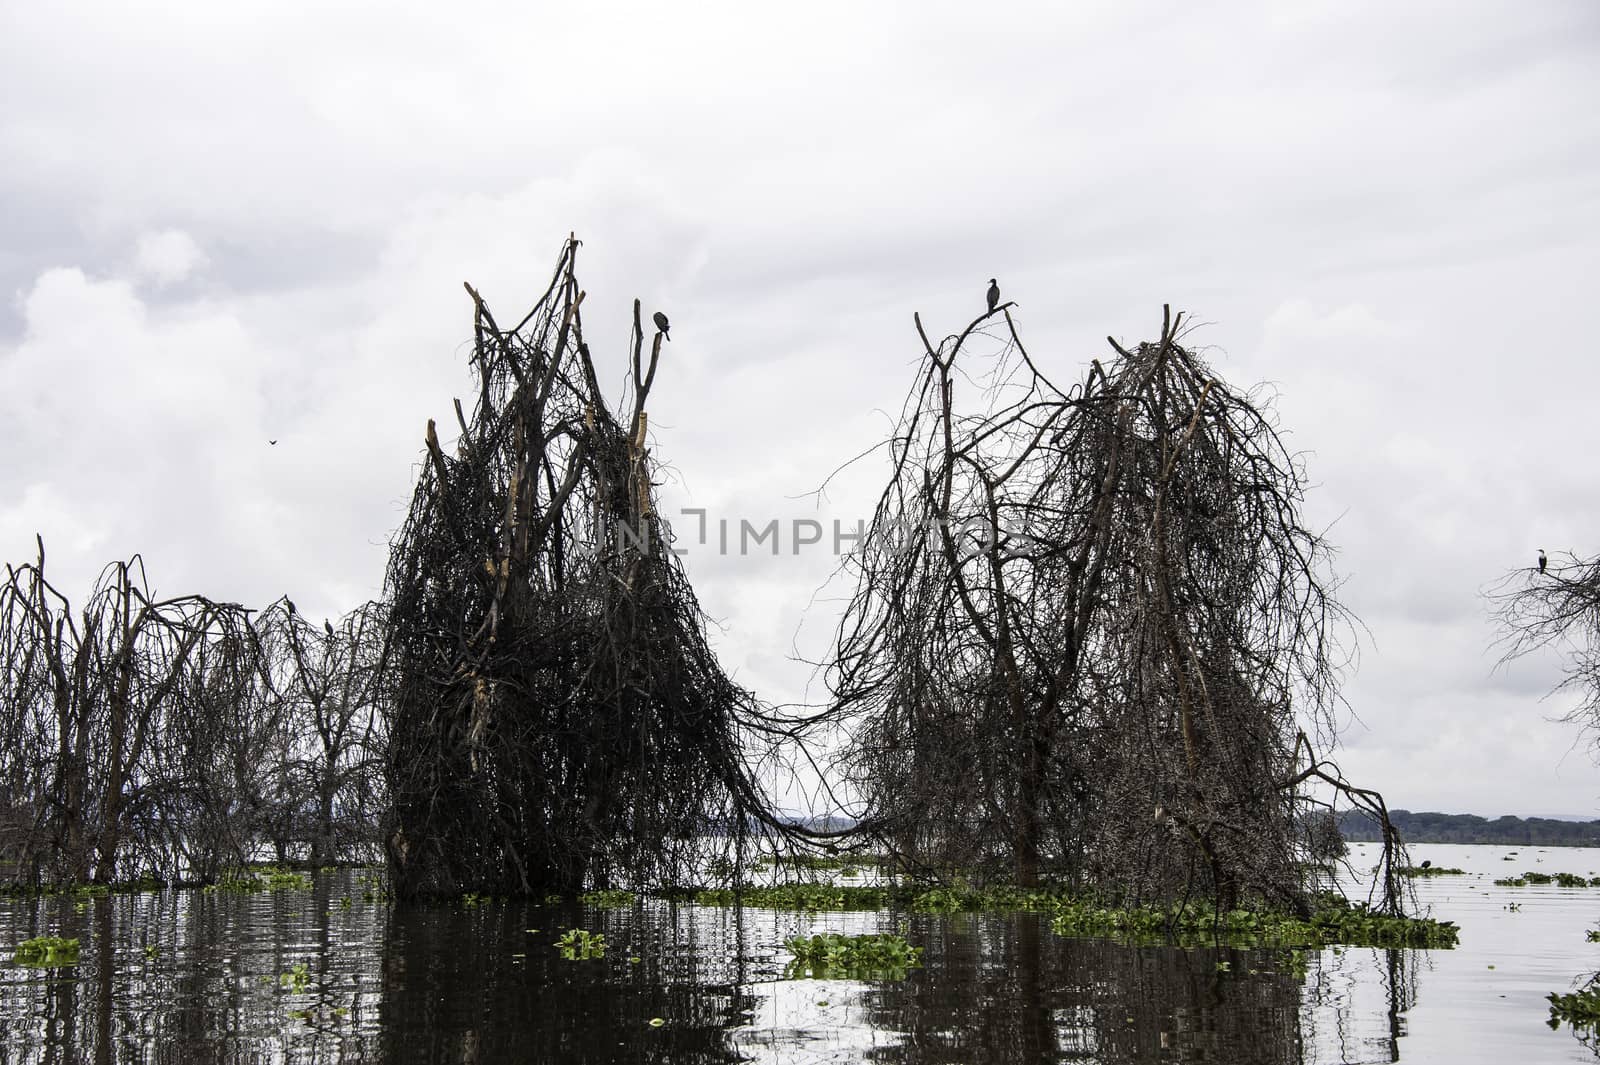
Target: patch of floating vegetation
46, 952
1580, 1008
847, 864
1569, 880
885, 956
577, 944
1429, 870
252, 881
991, 899
1335, 922
806, 897
374, 887
611, 899
84, 891
297, 980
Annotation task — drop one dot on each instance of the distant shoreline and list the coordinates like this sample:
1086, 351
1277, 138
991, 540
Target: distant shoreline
1433, 827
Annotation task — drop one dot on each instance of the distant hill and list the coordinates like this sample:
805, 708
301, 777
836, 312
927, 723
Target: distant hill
1430, 827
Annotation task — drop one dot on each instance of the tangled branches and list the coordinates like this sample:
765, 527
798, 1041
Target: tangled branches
328, 734
1550, 605
103, 710
176, 738
1084, 624
559, 720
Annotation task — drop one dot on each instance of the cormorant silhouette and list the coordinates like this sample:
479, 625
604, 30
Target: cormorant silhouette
661, 324
328, 628
1543, 562
994, 294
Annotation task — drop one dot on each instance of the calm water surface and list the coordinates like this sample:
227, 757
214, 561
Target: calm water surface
191, 977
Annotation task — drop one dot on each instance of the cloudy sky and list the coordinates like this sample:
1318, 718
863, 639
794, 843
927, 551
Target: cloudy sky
222, 224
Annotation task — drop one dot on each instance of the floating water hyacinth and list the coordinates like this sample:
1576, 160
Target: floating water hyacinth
46, 951
579, 944
831, 954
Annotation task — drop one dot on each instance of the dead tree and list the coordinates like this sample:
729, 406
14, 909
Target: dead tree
329, 679
558, 719
1087, 628
1556, 606
91, 705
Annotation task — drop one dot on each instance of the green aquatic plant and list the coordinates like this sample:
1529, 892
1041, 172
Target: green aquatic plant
613, 899
885, 956
135, 886
268, 878
1335, 921
297, 981
577, 944
807, 897
820, 862
1566, 880
1429, 870
46, 952
962, 899
1580, 1008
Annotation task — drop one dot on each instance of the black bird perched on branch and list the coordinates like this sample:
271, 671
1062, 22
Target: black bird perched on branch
661, 324
328, 628
994, 294
1543, 562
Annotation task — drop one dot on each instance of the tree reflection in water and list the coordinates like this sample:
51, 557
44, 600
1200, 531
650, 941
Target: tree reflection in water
453, 983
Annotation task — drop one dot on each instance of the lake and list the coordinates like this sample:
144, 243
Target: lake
307, 976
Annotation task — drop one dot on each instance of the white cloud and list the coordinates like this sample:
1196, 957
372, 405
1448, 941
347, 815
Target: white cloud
168, 256
215, 248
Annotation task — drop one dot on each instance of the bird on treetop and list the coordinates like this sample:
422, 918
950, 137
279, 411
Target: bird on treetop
994, 294
1543, 562
661, 324
327, 628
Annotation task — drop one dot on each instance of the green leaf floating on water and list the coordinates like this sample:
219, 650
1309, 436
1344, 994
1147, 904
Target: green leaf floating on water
884, 956
46, 951
578, 944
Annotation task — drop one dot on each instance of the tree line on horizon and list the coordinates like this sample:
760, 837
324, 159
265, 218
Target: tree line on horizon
1433, 827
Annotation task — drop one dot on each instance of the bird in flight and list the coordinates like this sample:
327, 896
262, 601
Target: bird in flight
661, 324
274, 443
1543, 561
994, 294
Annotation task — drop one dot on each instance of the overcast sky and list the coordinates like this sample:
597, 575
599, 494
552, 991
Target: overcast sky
222, 224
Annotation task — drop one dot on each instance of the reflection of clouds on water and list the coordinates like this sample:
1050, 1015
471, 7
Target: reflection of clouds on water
1354, 1004
811, 1021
